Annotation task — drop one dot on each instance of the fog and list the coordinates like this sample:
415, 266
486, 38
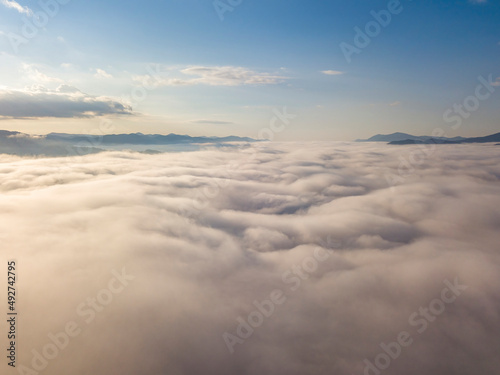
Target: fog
348, 241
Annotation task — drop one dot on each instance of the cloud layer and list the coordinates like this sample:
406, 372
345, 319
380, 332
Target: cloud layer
207, 233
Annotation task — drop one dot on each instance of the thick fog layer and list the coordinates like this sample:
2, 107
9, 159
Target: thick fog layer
299, 258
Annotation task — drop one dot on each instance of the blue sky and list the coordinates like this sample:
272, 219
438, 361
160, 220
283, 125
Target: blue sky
183, 66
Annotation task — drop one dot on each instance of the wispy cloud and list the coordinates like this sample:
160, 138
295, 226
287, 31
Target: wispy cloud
16, 6
217, 76
332, 72
64, 102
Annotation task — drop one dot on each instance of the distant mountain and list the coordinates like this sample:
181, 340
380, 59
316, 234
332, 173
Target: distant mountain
406, 139
62, 144
430, 140
389, 137
489, 138
16, 143
144, 139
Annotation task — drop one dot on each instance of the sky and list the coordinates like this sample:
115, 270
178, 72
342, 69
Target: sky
282, 70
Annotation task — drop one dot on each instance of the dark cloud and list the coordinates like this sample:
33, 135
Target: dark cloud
208, 233
65, 102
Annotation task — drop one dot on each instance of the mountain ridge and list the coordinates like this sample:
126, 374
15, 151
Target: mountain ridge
399, 138
64, 144
145, 139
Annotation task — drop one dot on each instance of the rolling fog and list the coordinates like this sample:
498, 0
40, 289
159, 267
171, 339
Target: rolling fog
352, 239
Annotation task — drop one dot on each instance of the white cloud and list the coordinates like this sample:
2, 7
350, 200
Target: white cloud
394, 104
16, 6
100, 73
332, 72
65, 102
204, 240
216, 76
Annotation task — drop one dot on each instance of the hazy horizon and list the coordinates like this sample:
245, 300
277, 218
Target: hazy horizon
97, 133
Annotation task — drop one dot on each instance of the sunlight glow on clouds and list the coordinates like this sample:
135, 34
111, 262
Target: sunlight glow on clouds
207, 233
